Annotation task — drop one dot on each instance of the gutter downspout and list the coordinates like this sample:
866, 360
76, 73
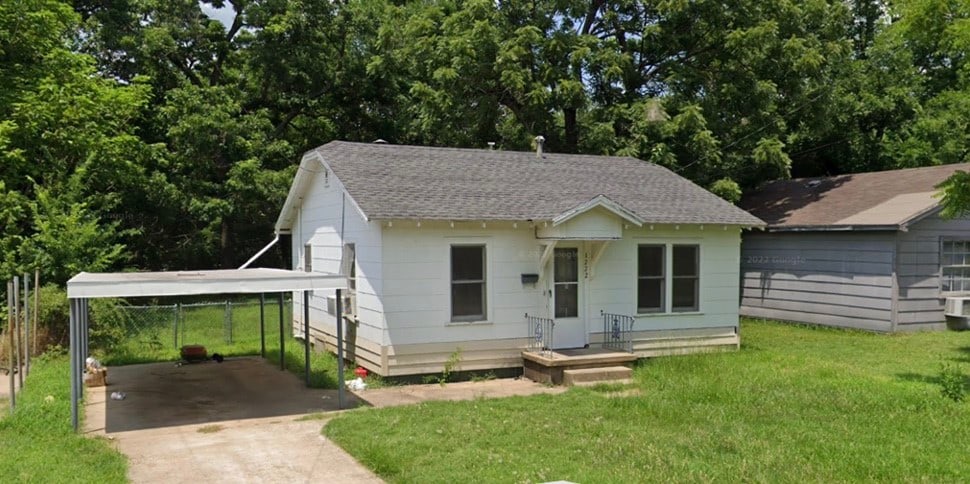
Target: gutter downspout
261, 252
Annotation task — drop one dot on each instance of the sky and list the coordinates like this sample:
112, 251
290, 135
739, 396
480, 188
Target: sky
224, 14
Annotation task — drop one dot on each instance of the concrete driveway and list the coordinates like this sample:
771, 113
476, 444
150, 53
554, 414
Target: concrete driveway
238, 421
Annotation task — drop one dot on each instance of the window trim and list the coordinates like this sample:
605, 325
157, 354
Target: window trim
667, 280
662, 277
483, 281
942, 269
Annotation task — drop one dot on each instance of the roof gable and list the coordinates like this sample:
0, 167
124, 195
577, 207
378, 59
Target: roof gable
884, 199
412, 182
599, 201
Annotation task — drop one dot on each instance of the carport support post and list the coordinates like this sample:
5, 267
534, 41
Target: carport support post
74, 348
282, 339
340, 350
306, 336
262, 325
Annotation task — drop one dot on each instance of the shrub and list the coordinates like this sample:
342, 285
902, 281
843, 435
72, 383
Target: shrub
109, 323
54, 314
952, 382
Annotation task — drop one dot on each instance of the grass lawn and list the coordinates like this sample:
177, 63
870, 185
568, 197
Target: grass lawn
37, 443
795, 404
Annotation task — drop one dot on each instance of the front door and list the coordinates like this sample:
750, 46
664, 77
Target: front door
566, 300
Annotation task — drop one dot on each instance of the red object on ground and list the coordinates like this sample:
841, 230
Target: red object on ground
194, 353
361, 372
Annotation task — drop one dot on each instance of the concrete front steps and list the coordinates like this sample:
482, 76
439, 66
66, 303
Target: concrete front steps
586, 366
596, 376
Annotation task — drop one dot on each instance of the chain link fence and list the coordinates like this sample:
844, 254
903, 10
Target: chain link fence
157, 332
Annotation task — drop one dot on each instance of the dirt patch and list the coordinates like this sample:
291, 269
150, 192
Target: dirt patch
209, 429
469, 390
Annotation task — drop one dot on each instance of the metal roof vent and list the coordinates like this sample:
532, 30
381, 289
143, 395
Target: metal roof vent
540, 140
379, 141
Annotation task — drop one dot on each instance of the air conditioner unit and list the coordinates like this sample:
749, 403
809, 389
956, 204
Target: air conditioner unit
957, 313
349, 307
332, 305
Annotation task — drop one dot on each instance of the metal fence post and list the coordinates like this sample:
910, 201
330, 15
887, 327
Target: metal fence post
16, 329
282, 337
26, 324
13, 385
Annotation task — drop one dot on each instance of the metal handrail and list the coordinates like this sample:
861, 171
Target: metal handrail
618, 331
540, 333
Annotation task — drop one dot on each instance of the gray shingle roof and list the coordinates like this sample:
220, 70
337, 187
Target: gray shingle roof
413, 182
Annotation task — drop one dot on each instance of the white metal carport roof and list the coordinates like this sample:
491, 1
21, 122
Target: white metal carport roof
86, 286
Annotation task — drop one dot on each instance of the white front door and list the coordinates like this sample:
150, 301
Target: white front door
566, 299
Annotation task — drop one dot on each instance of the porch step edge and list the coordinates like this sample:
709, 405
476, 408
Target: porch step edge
620, 381
596, 375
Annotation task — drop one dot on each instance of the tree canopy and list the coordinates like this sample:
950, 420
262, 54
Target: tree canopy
143, 133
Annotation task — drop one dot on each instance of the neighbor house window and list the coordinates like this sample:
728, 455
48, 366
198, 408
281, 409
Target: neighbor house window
955, 266
467, 282
650, 279
308, 258
685, 277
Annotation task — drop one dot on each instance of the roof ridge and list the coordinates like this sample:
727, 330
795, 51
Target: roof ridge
476, 150
894, 170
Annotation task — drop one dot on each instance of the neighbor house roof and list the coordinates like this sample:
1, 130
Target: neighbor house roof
874, 200
389, 181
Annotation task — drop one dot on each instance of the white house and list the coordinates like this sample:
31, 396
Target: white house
447, 250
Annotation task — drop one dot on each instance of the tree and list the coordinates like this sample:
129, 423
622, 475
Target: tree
67, 145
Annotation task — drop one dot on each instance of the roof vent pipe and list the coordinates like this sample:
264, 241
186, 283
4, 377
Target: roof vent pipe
539, 141
491, 145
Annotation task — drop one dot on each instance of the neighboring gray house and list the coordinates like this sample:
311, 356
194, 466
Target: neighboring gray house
866, 250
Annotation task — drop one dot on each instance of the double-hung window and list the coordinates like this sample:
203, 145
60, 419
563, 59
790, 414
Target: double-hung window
467, 282
656, 272
955, 266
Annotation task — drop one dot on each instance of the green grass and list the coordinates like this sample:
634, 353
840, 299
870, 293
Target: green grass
152, 338
37, 442
795, 404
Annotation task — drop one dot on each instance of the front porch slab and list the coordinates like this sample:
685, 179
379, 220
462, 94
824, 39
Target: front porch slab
548, 366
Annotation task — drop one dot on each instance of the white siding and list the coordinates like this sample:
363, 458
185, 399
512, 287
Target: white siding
836, 279
416, 281
327, 220
613, 288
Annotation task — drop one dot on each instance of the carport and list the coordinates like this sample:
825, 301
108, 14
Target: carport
85, 286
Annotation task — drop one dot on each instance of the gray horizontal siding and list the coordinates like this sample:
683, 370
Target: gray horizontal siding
841, 279
920, 300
